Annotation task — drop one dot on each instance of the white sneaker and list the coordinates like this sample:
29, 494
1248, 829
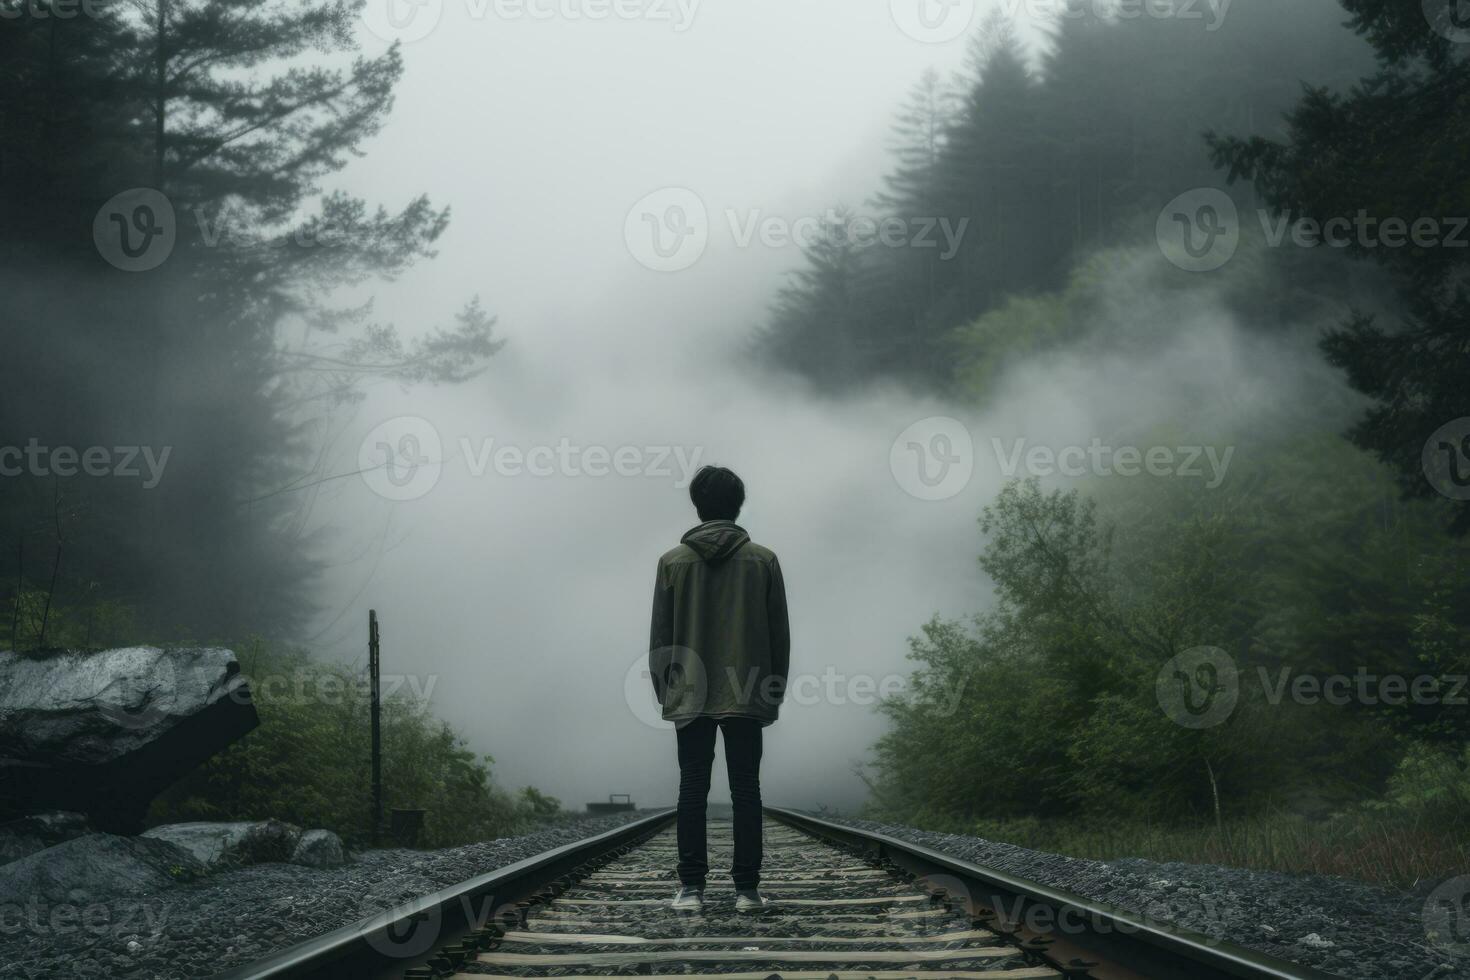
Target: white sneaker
750, 900
688, 900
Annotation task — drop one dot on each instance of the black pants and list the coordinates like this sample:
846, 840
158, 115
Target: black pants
743, 760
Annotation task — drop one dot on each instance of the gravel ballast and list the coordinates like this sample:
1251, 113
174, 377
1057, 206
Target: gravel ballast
197, 929
1336, 925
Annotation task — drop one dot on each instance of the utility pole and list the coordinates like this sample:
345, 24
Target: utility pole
373, 670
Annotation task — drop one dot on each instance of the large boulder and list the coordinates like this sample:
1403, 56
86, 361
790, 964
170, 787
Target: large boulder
234, 844
27, 835
104, 733
97, 868
319, 849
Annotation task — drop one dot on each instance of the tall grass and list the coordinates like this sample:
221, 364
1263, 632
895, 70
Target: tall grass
1395, 850
1418, 830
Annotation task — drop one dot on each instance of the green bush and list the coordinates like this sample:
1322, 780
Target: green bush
1042, 715
309, 763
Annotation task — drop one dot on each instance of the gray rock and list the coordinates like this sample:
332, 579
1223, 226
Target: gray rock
37, 832
231, 845
319, 849
236, 917
103, 733
95, 868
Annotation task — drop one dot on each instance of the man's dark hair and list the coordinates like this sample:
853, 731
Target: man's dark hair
718, 494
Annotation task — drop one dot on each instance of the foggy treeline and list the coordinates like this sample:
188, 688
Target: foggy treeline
1044, 160
224, 366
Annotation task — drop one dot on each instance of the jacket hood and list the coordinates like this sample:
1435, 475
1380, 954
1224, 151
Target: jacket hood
715, 541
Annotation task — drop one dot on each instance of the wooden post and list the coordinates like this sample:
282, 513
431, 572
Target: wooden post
374, 665
20, 586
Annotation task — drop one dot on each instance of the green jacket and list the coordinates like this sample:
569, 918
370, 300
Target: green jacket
720, 645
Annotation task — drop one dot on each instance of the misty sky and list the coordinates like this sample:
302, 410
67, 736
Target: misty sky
524, 599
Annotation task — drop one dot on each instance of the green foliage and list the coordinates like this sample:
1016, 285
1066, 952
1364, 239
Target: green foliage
1430, 780
228, 355
34, 620
540, 806
1023, 326
1048, 703
1391, 149
308, 763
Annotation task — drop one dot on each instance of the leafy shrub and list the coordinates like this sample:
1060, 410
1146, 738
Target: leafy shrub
1043, 713
309, 763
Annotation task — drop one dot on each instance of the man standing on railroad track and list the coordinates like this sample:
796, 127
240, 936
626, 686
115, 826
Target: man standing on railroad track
719, 652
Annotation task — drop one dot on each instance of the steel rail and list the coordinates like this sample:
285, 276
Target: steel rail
1067, 929
384, 945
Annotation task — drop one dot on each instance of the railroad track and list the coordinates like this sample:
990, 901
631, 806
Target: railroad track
846, 904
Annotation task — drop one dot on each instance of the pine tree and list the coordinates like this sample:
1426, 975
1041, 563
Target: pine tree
990, 175
212, 103
1394, 147
819, 325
